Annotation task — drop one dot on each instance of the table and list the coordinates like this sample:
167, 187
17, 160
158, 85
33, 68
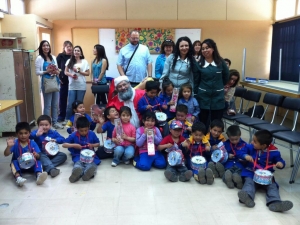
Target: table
8, 104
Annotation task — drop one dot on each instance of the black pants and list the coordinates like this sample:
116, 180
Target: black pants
101, 97
206, 116
63, 100
133, 84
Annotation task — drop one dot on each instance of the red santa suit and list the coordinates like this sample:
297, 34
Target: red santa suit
131, 103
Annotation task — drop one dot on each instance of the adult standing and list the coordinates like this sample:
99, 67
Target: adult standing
47, 74
167, 47
99, 66
64, 80
77, 68
211, 75
197, 50
134, 60
178, 66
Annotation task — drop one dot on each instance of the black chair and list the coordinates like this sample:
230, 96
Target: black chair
250, 96
100, 89
269, 99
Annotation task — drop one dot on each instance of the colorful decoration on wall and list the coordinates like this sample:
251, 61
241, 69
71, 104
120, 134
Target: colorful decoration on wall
151, 37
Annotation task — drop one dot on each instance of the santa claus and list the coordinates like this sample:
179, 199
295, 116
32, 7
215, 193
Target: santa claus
126, 96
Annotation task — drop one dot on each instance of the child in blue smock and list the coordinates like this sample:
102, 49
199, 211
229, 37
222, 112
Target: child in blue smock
44, 131
150, 101
20, 146
165, 98
83, 138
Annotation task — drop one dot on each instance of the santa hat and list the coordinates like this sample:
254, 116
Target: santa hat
120, 79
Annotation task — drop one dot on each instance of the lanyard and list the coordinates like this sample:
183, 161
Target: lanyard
267, 164
153, 105
199, 149
83, 143
20, 148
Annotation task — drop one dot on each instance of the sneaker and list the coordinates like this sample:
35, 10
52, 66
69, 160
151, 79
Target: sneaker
64, 123
237, 179
220, 169
209, 176
41, 178
54, 172
212, 166
228, 179
245, 198
89, 173
58, 126
20, 181
113, 164
76, 174
281, 206
201, 176
127, 162
171, 176
186, 176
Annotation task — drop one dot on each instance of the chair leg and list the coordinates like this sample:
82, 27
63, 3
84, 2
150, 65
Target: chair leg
224, 121
249, 134
296, 167
291, 155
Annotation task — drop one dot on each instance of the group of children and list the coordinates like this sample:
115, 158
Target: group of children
174, 150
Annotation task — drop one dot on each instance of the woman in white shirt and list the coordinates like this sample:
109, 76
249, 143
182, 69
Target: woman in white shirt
42, 69
77, 68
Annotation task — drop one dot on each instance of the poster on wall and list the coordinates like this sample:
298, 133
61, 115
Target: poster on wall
151, 37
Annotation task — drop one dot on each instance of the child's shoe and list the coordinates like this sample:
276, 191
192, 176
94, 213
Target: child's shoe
76, 174
281, 206
171, 176
41, 178
113, 164
20, 181
228, 179
89, 173
127, 162
54, 172
245, 198
186, 176
201, 176
212, 166
220, 169
209, 176
238, 180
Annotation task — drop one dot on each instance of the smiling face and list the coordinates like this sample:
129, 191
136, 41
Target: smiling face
197, 48
77, 52
45, 125
207, 51
168, 50
183, 48
197, 136
125, 117
149, 123
113, 114
46, 48
80, 109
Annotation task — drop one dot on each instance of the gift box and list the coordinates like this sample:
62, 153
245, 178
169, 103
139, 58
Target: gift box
11, 43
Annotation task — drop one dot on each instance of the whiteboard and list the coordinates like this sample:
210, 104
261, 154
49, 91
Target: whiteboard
108, 40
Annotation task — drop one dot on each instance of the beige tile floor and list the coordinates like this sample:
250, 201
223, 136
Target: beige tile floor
125, 195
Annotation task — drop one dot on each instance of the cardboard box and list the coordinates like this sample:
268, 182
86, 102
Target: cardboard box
11, 43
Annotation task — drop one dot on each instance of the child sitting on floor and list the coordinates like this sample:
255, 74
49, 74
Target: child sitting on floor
173, 142
145, 161
83, 138
261, 154
44, 131
20, 146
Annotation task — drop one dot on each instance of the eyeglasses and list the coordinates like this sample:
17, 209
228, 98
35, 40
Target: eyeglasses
135, 39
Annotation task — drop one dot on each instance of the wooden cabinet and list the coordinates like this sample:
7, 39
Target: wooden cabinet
16, 84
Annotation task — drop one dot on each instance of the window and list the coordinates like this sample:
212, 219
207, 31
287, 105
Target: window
285, 9
3, 6
17, 7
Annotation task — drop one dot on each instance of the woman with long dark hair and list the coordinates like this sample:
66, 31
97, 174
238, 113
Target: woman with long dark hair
77, 68
197, 50
99, 66
178, 66
64, 80
211, 75
43, 69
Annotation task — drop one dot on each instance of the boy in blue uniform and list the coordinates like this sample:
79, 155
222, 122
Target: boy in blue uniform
230, 172
150, 101
261, 154
83, 138
44, 130
214, 137
23, 145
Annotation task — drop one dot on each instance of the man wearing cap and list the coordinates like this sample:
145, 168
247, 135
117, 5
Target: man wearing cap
140, 64
127, 96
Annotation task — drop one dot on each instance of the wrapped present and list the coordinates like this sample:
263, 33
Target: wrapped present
150, 142
174, 99
119, 129
96, 111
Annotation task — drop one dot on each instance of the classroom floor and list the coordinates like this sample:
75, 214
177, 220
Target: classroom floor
125, 195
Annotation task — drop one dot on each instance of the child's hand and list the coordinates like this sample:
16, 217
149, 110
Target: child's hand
124, 136
249, 158
145, 131
101, 119
90, 146
10, 141
186, 143
207, 148
149, 107
53, 140
189, 129
279, 165
165, 107
214, 147
193, 119
171, 103
117, 141
40, 131
231, 156
36, 155
77, 146
169, 145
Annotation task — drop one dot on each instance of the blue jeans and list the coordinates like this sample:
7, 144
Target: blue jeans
123, 153
51, 104
73, 95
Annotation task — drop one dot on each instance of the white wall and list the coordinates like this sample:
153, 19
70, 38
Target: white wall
107, 39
